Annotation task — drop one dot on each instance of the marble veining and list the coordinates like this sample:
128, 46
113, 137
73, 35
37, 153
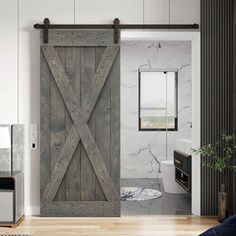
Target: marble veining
138, 194
136, 161
167, 204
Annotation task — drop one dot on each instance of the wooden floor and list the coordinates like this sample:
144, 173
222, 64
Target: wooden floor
143, 225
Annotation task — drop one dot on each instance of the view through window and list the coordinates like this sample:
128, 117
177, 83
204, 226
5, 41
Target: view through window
158, 100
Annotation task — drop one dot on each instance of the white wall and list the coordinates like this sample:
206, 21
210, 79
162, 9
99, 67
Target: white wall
8, 62
19, 53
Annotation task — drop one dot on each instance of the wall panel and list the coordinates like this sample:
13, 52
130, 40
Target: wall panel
105, 11
233, 202
8, 61
156, 11
216, 84
184, 11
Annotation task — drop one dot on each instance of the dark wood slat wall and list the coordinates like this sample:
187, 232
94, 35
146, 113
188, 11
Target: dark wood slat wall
216, 88
233, 201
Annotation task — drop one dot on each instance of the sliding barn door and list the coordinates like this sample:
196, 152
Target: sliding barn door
80, 124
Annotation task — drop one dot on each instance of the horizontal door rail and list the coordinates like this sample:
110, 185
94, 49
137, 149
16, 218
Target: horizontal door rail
121, 26
116, 26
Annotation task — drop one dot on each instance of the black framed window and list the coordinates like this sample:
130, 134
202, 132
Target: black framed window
158, 100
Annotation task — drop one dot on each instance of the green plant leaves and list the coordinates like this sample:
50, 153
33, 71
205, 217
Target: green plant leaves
219, 155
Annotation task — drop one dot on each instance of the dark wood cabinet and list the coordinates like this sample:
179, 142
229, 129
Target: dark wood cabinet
183, 170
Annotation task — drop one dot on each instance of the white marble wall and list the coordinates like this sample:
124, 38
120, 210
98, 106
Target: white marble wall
136, 162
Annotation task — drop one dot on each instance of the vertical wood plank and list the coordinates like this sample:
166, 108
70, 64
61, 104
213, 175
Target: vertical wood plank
115, 122
87, 173
45, 125
57, 124
103, 134
73, 70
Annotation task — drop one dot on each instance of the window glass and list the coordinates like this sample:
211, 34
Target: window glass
157, 100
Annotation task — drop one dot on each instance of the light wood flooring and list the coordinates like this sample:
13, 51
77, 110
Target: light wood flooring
124, 226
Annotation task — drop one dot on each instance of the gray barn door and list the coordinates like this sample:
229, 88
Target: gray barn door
80, 124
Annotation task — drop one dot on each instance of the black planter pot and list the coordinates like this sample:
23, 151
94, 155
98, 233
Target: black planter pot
222, 204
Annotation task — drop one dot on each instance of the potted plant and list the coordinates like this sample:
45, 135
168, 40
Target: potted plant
219, 156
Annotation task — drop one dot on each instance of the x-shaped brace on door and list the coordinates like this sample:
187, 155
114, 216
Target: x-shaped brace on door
80, 117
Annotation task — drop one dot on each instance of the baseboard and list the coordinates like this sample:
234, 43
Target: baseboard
32, 210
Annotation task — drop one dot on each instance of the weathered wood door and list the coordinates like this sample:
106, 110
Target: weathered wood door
80, 124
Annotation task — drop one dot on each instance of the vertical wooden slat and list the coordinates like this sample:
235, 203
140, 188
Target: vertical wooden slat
216, 84
103, 109
115, 123
202, 104
87, 172
45, 124
73, 70
232, 65
57, 124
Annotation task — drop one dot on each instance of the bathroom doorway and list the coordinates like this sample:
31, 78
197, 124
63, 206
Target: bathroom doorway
157, 123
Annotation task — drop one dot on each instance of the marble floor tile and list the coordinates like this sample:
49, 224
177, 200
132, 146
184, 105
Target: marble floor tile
168, 204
